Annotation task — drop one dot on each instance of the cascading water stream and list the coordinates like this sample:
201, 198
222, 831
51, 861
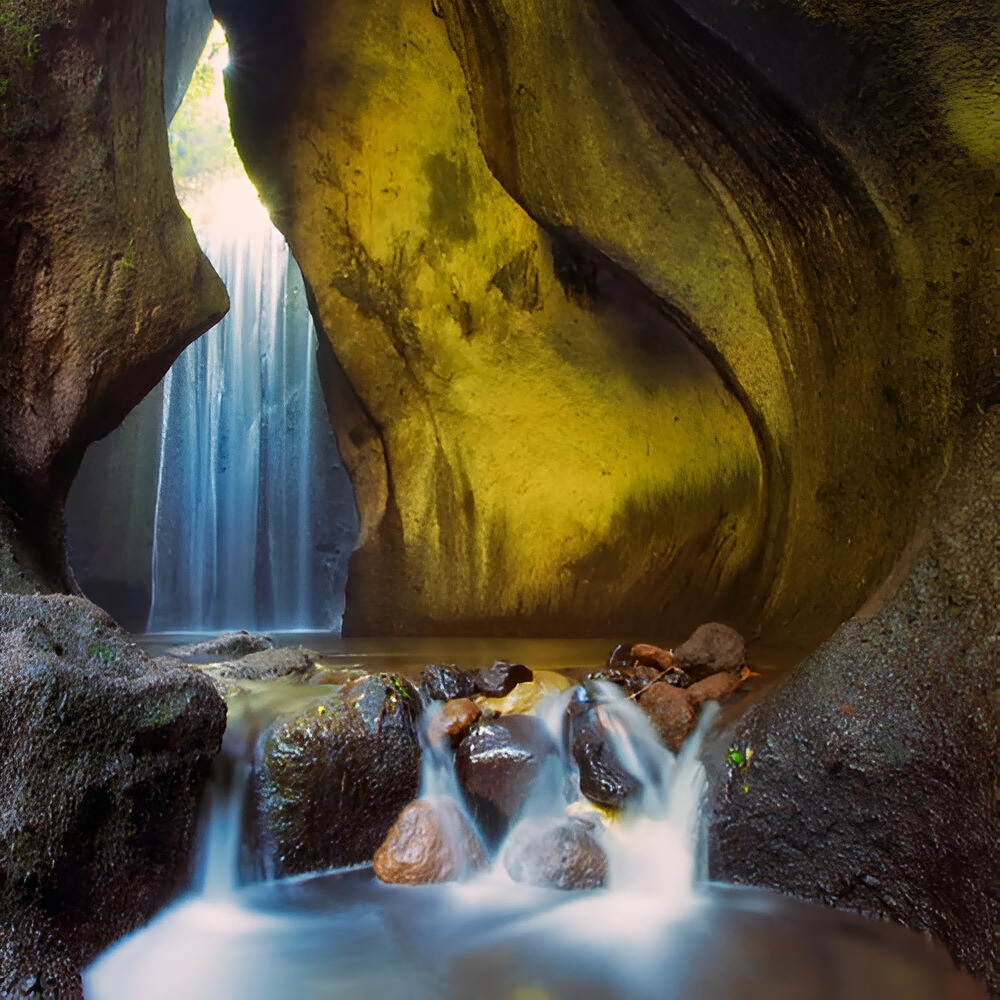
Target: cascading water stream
254, 514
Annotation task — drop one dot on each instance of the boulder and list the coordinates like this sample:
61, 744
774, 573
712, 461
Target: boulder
501, 678
430, 842
710, 648
105, 755
328, 782
671, 712
560, 855
604, 779
443, 682
268, 664
454, 718
231, 644
496, 764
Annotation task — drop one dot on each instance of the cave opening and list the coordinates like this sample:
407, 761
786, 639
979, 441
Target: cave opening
221, 502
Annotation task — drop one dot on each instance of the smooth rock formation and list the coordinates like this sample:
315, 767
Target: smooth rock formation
265, 665
604, 779
453, 720
497, 763
329, 782
430, 842
536, 444
104, 758
563, 855
698, 356
102, 283
710, 648
874, 769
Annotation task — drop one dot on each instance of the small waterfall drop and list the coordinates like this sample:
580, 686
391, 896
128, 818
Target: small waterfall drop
254, 513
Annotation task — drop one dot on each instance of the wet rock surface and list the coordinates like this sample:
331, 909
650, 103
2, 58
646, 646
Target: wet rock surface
671, 712
443, 682
496, 764
561, 855
604, 779
105, 754
431, 841
455, 717
329, 781
501, 678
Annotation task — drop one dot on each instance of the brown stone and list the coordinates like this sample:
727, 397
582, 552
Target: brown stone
453, 720
717, 687
671, 711
710, 648
563, 855
430, 842
654, 656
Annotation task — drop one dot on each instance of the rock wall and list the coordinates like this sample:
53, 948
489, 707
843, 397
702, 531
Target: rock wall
627, 332
536, 441
873, 771
102, 283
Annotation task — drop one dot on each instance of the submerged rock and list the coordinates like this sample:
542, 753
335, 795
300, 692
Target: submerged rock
717, 687
444, 682
328, 782
455, 717
561, 855
268, 664
604, 779
431, 841
711, 648
501, 678
496, 763
105, 755
234, 644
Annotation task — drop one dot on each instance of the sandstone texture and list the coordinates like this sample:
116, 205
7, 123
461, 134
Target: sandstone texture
630, 319
105, 755
102, 283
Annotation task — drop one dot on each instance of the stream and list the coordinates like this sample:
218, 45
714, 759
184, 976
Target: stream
658, 930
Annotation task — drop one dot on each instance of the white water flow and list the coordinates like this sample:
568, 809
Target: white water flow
654, 934
254, 515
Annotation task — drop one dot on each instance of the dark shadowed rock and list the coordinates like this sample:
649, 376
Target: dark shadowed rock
454, 718
562, 855
105, 755
872, 784
430, 842
233, 644
711, 648
443, 682
603, 777
496, 763
501, 678
671, 712
637, 677
328, 782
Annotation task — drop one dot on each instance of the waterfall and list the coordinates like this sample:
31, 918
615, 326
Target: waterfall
254, 514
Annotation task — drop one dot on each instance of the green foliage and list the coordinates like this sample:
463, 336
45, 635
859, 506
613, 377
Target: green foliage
201, 145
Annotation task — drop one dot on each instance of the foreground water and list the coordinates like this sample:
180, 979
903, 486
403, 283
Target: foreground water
657, 931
